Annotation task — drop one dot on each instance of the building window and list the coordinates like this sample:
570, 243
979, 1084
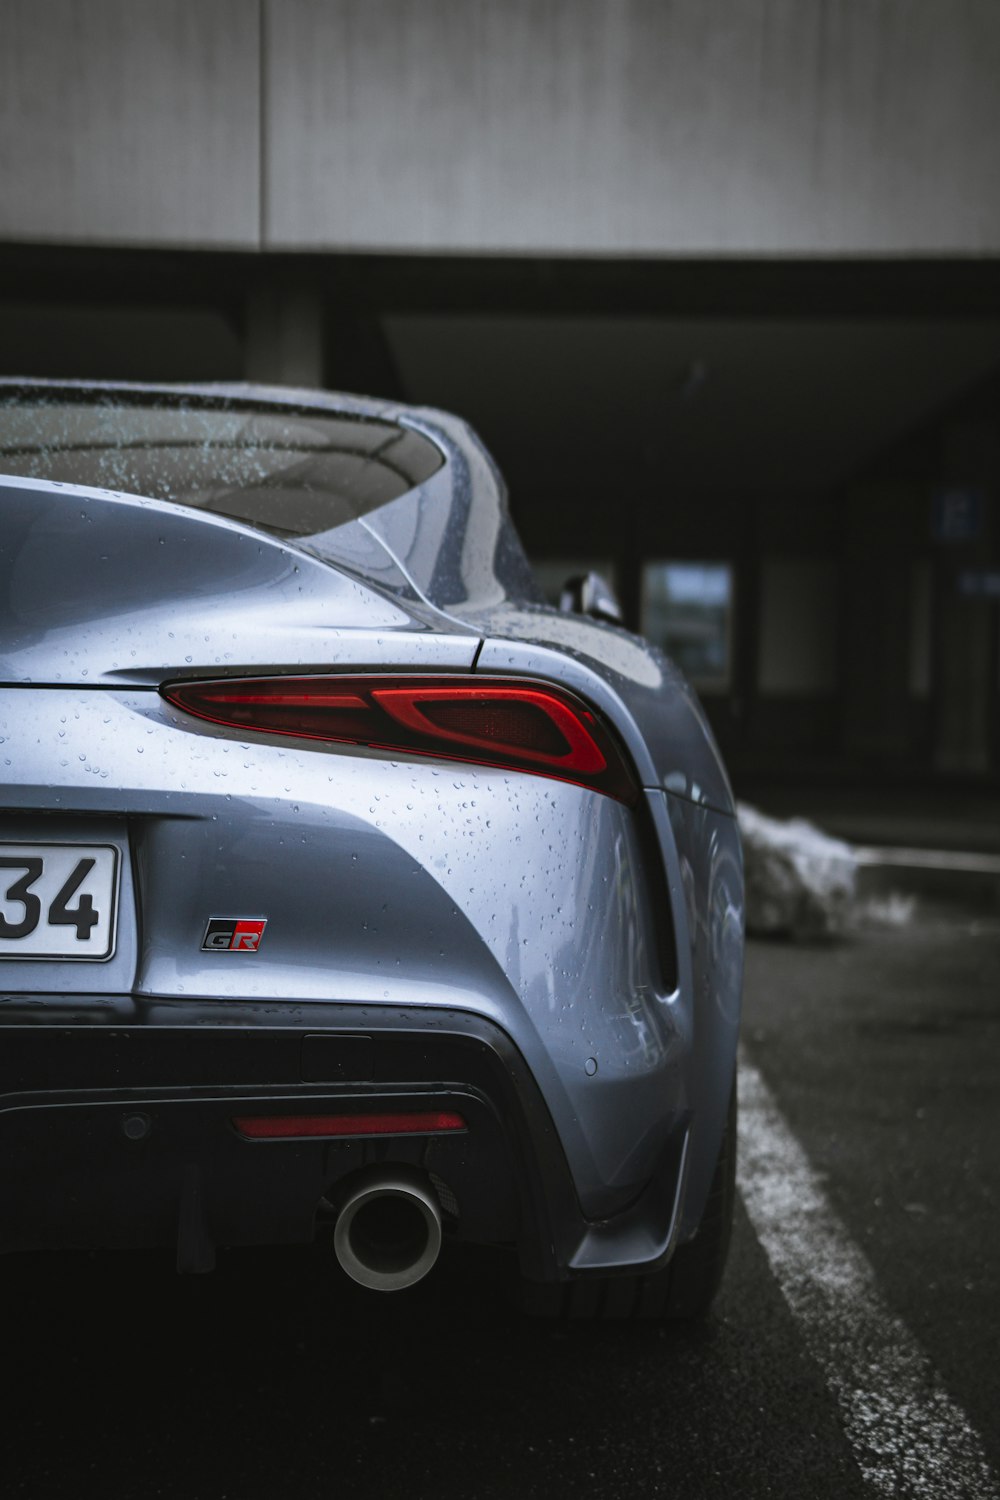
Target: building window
687, 611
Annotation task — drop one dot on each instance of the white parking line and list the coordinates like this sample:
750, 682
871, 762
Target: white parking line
909, 1438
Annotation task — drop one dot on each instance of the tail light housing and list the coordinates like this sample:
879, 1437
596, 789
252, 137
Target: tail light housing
516, 724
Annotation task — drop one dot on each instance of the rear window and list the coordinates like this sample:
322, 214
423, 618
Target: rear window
286, 470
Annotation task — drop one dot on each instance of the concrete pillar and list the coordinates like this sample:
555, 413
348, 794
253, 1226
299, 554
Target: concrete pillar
284, 333
877, 621
966, 632
965, 685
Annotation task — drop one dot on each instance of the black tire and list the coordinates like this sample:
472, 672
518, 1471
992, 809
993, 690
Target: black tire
683, 1290
696, 1268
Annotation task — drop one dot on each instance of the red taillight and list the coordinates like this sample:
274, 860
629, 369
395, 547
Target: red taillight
311, 1127
518, 725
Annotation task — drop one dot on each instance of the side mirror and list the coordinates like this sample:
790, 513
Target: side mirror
588, 594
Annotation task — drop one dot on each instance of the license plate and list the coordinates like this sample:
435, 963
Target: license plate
58, 900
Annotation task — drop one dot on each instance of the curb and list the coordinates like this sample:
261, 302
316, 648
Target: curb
929, 872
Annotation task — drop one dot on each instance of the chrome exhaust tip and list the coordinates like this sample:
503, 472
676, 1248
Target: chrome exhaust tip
388, 1232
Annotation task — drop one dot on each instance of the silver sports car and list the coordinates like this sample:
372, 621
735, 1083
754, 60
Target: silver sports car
347, 891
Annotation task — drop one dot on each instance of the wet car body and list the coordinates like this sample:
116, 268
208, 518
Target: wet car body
432, 931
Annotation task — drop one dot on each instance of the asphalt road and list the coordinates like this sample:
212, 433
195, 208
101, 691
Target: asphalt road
273, 1377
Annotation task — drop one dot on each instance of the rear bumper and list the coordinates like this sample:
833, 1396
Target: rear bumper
116, 1129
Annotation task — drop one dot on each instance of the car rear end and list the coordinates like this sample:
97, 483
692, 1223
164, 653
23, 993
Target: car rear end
304, 933
404, 969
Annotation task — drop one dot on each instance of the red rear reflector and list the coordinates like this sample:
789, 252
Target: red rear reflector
304, 1127
513, 724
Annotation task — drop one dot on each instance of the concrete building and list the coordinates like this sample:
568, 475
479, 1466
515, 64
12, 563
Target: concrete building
718, 282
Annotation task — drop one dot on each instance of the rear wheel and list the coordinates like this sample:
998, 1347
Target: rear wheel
682, 1290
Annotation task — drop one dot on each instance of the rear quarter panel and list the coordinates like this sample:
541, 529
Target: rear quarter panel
690, 804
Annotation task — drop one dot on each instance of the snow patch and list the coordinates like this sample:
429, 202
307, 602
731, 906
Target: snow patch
802, 883
799, 880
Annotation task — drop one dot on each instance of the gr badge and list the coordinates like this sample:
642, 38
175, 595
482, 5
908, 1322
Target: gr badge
234, 934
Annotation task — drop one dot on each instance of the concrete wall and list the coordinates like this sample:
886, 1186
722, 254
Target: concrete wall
537, 126
636, 126
130, 122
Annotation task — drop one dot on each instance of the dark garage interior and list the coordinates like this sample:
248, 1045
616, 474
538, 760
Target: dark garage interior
788, 472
